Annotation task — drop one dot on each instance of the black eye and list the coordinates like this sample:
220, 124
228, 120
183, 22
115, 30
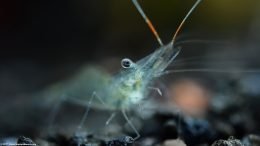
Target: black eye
126, 63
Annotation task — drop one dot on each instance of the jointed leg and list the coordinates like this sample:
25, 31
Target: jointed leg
94, 95
112, 116
158, 90
131, 125
87, 111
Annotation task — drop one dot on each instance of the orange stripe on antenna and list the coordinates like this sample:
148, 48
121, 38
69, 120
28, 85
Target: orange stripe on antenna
154, 31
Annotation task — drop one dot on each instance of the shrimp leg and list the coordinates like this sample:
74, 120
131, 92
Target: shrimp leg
158, 90
112, 116
131, 124
86, 111
94, 94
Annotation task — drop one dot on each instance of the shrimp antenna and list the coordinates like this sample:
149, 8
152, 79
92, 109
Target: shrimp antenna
185, 18
147, 20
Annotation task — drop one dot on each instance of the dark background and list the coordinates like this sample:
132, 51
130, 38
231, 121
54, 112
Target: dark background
42, 41
46, 41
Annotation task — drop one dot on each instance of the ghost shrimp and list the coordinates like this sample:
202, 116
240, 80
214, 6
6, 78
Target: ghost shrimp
133, 83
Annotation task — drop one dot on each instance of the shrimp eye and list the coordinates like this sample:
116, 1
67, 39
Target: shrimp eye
127, 63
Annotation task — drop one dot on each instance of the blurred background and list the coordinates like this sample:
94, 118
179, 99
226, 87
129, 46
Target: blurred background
47, 41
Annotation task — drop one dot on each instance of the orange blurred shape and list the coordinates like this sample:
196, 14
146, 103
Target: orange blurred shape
190, 97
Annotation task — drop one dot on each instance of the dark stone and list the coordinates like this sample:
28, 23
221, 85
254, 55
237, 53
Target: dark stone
121, 141
196, 131
230, 142
25, 140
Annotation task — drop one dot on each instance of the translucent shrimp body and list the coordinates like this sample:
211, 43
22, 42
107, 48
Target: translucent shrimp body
130, 86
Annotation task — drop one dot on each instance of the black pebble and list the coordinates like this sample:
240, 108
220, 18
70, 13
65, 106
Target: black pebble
230, 142
121, 141
25, 140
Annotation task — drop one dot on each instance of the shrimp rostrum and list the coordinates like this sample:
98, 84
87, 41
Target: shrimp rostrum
131, 85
